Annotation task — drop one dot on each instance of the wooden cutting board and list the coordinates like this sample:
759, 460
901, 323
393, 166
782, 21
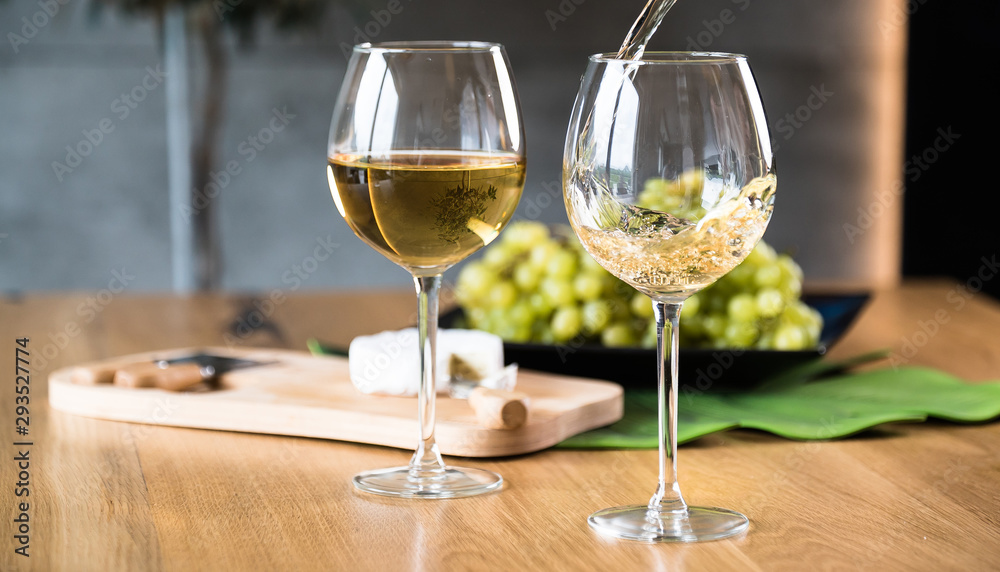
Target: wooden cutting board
310, 396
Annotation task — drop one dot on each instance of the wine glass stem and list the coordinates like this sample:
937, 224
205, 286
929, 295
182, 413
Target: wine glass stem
668, 494
427, 461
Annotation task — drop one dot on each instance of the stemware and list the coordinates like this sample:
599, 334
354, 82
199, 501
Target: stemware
426, 164
687, 129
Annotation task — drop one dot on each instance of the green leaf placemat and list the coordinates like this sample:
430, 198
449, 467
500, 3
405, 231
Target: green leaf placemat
798, 406
817, 400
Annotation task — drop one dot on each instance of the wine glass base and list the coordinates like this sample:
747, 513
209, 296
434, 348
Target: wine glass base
448, 483
693, 525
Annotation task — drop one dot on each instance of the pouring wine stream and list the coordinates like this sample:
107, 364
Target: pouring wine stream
643, 28
632, 49
667, 498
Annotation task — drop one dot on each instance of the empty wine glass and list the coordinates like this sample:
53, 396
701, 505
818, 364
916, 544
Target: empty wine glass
685, 132
426, 164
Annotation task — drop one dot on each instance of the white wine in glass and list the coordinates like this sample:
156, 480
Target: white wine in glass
424, 209
426, 163
694, 121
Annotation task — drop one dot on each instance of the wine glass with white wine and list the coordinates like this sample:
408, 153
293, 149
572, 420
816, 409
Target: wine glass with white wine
426, 164
691, 128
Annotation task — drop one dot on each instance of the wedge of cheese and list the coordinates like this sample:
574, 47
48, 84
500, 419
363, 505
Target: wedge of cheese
388, 363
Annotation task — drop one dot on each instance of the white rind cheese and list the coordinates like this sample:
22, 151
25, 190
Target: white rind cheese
388, 363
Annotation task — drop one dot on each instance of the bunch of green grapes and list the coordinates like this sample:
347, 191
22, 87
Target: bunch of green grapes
756, 305
538, 284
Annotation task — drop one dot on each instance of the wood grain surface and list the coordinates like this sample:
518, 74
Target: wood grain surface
108, 495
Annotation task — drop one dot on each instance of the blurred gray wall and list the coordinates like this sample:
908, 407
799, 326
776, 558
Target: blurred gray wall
830, 72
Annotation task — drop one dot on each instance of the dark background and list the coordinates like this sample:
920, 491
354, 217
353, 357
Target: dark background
950, 210
112, 212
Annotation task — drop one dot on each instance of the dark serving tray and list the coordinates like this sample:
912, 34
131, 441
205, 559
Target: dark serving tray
700, 369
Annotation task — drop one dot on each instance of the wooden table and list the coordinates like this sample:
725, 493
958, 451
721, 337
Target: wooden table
117, 496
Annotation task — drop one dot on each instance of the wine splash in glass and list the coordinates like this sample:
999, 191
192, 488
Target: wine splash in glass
694, 119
